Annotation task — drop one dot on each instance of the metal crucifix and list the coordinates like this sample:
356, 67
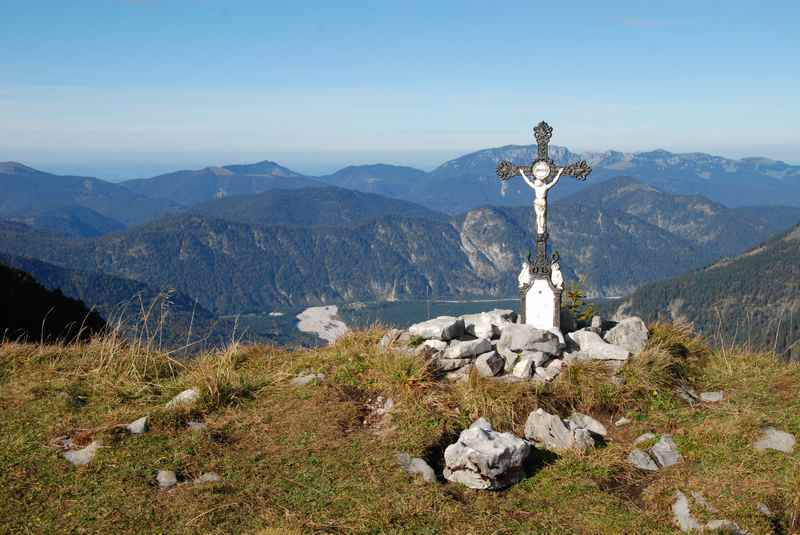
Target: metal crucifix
541, 307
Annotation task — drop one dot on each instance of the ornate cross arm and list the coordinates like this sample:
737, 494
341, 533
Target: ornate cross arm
506, 169
580, 170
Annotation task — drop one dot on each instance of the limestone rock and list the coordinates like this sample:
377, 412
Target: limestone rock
642, 460
187, 397
459, 349
644, 438
448, 365
416, 466
511, 358
166, 479
587, 422
388, 339
209, 477
548, 431
596, 348
485, 459
461, 374
630, 334
712, 397
430, 348
622, 422
682, 515
490, 364
524, 368
539, 358
547, 374
442, 328
137, 427
665, 452
520, 337
773, 439
82, 456
488, 324
306, 378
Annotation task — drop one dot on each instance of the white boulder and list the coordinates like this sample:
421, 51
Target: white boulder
596, 348
442, 328
630, 334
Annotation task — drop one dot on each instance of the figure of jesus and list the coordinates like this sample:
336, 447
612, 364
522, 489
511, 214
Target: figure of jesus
540, 188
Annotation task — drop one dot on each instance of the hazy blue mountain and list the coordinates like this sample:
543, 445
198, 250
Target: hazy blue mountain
390, 180
752, 298
72, 220
329, 206
193, 187
718, 229
29, 311
28, 192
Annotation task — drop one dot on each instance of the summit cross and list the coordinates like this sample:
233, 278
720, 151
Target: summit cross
541, 281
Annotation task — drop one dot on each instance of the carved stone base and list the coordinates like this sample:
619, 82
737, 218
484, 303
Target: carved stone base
541, 305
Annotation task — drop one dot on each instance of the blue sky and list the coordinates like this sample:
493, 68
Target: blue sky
128, 88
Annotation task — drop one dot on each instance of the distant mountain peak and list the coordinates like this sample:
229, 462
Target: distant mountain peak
265, 167
16, 168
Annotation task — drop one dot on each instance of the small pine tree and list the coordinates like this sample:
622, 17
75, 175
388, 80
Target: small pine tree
576, 302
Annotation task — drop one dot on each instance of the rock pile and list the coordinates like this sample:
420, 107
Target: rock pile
495, 345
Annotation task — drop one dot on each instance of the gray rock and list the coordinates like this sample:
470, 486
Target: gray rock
587, 422
209, 477
642, 460
510, 356
547, 374
485, 459
449, 365
460, 375
644, 438
665, 452
431, 348
539, 357
622, 422
416, 466
582, 439
773, 439
490, 364
524, 368
682, 515
386, 342
630, 334
520, 337
306, 378
196, 426
166, 479
488, 324
137, 427
700, 499
185, 398
82, 456
712, 397
596, 348
561, 340
548, 431
442, 328
459, 349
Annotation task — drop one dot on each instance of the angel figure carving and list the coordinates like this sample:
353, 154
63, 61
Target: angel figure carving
524, 276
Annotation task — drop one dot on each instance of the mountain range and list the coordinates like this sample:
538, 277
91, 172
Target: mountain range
752, 298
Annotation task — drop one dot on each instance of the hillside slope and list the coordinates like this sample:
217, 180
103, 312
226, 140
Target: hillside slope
751, 298
322, 458
29, 311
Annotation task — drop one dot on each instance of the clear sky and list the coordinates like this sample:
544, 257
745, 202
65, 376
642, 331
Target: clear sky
121, 88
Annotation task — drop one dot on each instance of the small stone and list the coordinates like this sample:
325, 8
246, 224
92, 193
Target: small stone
582, 439
524, 368
416, 466
166, 479
539, 357
82, 456
763, 509
196, 426
682, 515
187, 397
209, 477
587, 422
467, 349
596, 348
307, 378
442, 328
521, 337
449, 365
630, 334
642, 460
490, 364
622, 422
547, 374
644, 438
510, 356
485, 459
773, 439
712, 397
548, 431
665, 452
137, 427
